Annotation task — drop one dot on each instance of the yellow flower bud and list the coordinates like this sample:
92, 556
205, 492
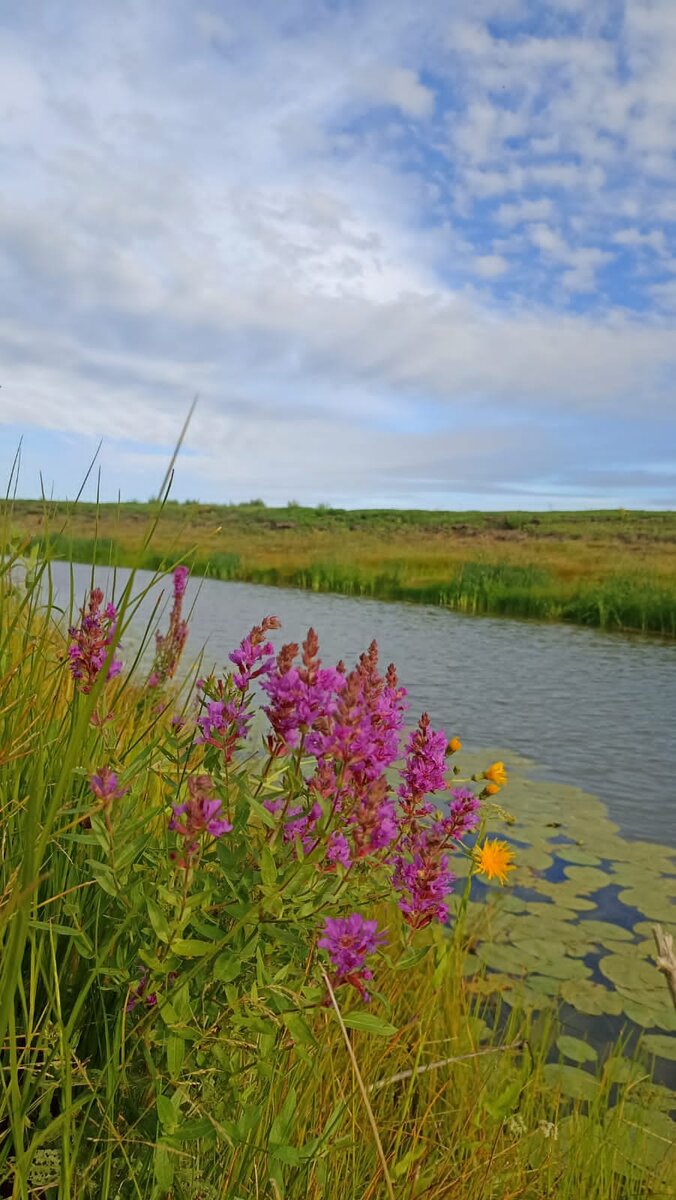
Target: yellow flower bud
491, 789
454, 745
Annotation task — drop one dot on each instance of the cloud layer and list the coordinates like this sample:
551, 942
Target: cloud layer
406, 254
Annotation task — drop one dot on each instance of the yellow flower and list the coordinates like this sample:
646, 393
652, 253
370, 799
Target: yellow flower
454, 745
491, 789
496, 773
494, 860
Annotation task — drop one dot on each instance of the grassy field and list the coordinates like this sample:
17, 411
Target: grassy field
614, 569
165, 1029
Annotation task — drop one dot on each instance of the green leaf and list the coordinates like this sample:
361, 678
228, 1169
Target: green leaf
577, 1050
591, 998
622, 1070
268, 867
369, 1023
175, 1054
166, 1113
158, 920
103, 876
226, 968
660, 1044
163, 1164
411, 958
193, 1131
191, 948
632, 973
572, 1081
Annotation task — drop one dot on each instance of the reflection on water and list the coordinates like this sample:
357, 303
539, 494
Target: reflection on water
593, 709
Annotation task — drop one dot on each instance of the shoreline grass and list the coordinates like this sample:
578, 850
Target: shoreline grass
239, 1082
613, 570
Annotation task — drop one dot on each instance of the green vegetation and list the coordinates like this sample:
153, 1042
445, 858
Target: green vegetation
611, 569
167, 1028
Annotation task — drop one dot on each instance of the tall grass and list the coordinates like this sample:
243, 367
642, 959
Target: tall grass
240, 1082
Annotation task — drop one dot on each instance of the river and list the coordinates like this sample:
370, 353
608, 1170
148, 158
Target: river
594, 710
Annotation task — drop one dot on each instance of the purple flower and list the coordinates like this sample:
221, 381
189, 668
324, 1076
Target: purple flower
425, 767
139, 993
169, 646
199, 814
300, 696
463, 813
105, 787
338, 850
348, 941
254, 656
423, 882
91, 642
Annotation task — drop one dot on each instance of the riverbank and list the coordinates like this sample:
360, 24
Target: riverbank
609, 569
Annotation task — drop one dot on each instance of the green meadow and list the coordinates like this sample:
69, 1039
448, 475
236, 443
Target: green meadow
170, 1026
612, 569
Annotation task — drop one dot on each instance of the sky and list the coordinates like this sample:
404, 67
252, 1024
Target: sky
406, 253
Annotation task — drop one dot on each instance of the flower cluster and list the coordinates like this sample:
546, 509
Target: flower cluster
169, 646
348, 942
198, 815
300, 695
226, 716
105, 787
91, 642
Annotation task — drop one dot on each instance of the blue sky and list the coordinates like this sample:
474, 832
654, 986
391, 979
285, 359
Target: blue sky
407, 254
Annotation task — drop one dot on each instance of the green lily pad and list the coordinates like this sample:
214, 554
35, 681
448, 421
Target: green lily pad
630, 973
603, 931
591, 998
643, 1137
506, 958
522, 996
544, 984
645, 929
563, 895
587, 879
640, 1013
577, 1050
652, 902
534, 858
577, 855
660, 1044
623, 1070
572, 1081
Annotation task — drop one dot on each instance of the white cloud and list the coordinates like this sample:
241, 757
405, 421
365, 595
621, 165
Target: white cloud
283, 214
398, 86
490, 266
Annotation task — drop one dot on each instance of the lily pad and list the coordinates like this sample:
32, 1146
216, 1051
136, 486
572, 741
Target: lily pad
660, 1044
511, 959
591, 998
575, 1049
652, 902
544, 984
603, 931
572, 1081
623, 1070
577, 855
643, 1137
640, 1013
587, 879
630, 973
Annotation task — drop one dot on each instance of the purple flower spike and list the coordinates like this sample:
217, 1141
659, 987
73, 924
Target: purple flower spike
91, 642
105, 786
348, 941
169, 646
199, 814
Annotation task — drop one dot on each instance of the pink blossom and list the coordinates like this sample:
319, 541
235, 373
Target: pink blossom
199, 814
348, 941
91, 642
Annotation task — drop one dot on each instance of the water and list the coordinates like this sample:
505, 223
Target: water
592, 709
